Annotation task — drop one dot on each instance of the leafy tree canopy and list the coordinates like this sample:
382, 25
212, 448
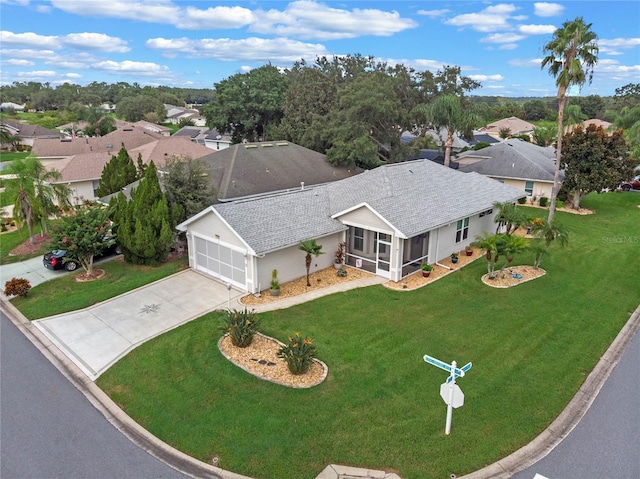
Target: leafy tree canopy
594, 161
83, 234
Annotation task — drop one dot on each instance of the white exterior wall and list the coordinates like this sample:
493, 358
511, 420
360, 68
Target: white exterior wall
442, 241
540, 188
290, 262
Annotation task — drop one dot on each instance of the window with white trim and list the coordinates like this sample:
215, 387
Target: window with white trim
528, 187
462, 230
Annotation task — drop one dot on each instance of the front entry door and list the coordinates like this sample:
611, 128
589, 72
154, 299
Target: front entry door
383, 255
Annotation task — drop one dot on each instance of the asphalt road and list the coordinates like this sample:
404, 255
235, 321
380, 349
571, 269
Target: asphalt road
50, 430
604, 445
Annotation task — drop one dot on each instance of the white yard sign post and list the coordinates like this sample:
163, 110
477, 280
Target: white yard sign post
449, 391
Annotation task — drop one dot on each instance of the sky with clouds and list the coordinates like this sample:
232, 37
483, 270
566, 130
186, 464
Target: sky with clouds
196, 43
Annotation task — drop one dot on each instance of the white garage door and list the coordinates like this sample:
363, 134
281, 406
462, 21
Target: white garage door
221, 262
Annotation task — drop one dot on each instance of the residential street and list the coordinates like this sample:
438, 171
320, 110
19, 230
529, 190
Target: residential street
50, 430
605, 442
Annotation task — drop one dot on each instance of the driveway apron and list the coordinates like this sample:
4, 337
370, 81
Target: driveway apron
95, 338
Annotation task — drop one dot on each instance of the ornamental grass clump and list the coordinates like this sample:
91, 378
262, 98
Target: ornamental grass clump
298, 354
241, 327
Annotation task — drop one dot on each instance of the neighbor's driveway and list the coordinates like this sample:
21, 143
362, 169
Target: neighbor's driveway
95, 338
31, 269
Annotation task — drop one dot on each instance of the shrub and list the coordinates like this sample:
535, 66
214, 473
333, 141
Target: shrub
241, 327
298, 354
275, 282
17, 287
522, 200
543, 201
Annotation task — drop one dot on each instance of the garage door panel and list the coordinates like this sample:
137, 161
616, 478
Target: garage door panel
220, 261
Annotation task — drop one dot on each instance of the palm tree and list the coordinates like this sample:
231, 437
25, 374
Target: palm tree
572, 55
34, 195
311, 248
447, 111
574, 117
508, 216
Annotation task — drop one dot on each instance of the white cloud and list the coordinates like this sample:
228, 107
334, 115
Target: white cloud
16, 62
502, 38
302, 18
77, 41
482, 78
615, 45
434, 13
28, 39
537, 29
508, 46
28, 53
247, 49
491, 19
127, 66
95, 42
311, 20
526, 62
214, 17
544, 9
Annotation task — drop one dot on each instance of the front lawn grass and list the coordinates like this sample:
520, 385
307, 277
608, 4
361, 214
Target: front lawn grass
531, 346
66, 294
13, 239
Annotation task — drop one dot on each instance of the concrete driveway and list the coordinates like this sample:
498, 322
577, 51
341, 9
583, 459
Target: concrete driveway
95, 338
31, 269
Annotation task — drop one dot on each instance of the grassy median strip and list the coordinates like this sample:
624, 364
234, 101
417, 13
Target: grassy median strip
531, 346
66, 294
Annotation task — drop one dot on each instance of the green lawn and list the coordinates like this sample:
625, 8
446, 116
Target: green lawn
531, 346
4, 156
66, 294
11, 240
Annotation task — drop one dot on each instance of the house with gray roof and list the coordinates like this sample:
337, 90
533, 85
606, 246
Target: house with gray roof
28, 134
205, 136
392, 219
250, 169
515, 162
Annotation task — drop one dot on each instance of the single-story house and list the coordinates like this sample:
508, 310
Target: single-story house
29, 134
205, 136
82, 172
515, 125
9, 105
392, 218
515, 162
250, 169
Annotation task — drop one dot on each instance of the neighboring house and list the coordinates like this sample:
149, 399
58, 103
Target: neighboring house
392, 219
28, 134
152, 127
458, 142
514, 162
177, 113
250, 169
202, 135
131, 136
516, 126
82, 172
8, 105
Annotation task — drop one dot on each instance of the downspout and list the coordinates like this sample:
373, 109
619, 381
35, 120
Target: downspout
437, 247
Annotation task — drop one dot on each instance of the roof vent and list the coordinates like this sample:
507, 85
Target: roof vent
250, 146
109, 145
282, 143
264, 145
302, 185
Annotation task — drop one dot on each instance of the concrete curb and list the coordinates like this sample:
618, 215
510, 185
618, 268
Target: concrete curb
110, 410
569, 418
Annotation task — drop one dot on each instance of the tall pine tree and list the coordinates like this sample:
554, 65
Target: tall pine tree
143, 224
118, 173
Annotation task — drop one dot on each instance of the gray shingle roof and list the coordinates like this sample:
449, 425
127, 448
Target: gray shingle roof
513, 158
414, 197
249, 169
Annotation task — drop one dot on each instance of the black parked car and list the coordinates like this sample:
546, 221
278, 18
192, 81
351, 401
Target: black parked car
57, 259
